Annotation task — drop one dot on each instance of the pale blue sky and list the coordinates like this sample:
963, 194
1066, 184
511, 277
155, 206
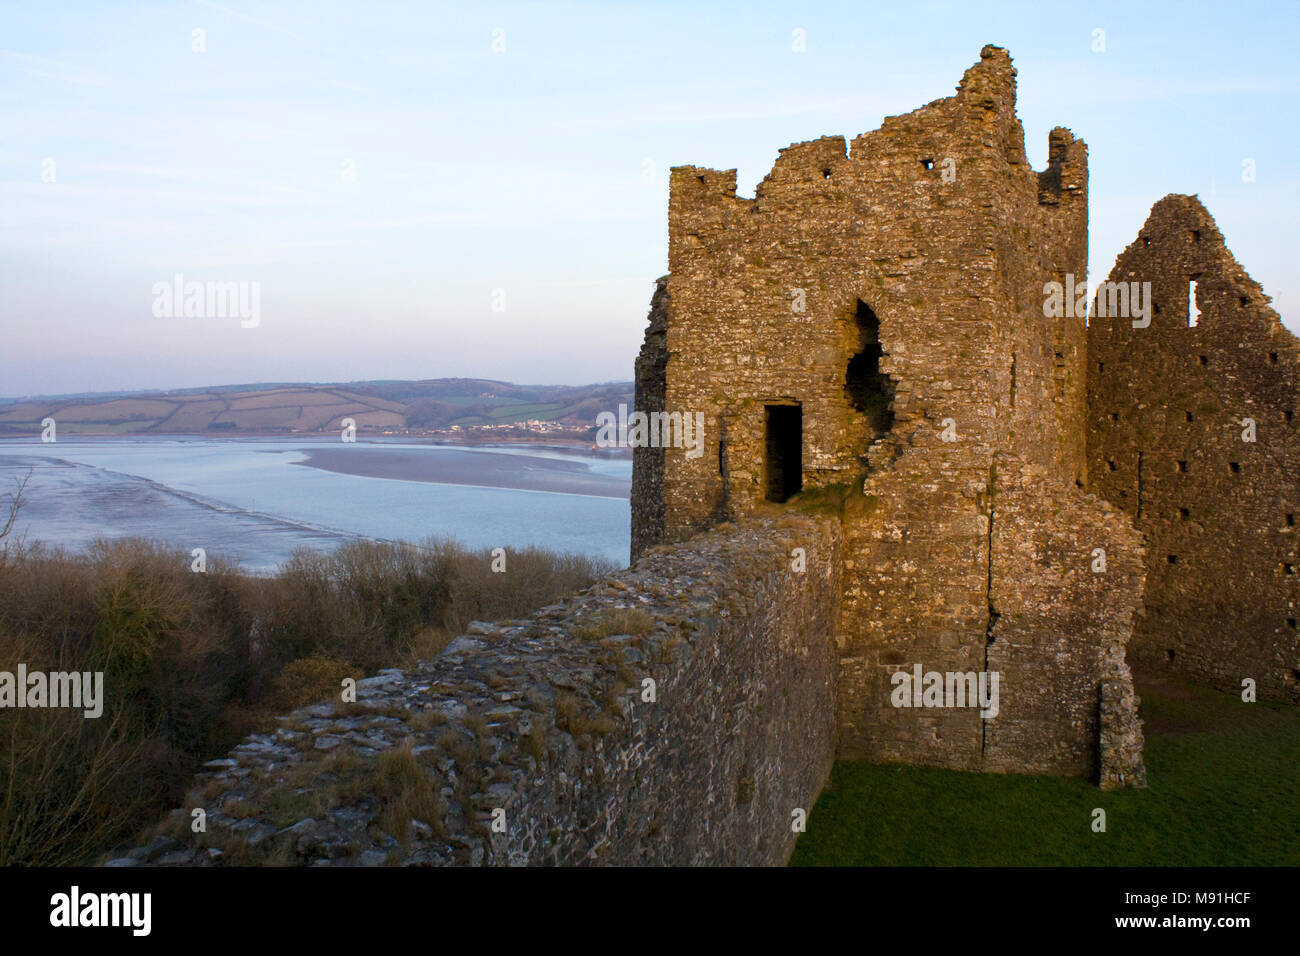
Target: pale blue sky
540, 170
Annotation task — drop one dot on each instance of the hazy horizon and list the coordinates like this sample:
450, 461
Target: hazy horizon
390, 176
307, 384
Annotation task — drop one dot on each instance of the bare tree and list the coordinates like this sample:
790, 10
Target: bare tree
15, 503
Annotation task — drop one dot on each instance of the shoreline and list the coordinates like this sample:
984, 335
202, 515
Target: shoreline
444, 465
584, 449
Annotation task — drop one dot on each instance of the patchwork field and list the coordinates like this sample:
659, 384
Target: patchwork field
375, 406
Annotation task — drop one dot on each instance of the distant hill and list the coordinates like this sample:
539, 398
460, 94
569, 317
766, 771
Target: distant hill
393, 407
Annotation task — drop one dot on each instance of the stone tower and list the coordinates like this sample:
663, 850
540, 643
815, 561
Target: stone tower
868, 334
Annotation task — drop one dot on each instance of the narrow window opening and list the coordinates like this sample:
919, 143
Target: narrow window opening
1290, 622
1193, 310
1188, 416
1234, 467
784, 459
1244, 301
1146, 241
1286, 417
1182, 466
1196, 235
1169, 654
1184, 513
1114, 416
1287, 569
1171, 558
1101, 367
826, 174
701, 179
1111, 464
1290, 520
1204, 359
928, 163
869, 390
1272, 358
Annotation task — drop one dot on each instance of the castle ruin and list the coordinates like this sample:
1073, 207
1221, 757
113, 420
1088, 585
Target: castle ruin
919, 457
873, 330
1191, 432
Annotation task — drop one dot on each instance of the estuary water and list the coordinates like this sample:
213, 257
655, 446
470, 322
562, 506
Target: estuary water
255, 500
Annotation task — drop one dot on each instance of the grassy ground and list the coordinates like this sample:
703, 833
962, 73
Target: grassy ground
1224, 790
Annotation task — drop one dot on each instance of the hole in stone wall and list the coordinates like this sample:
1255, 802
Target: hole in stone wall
1204, 359
1111, 464
1290, 622
1196, 235
1244, 301
1101, 367
1171, 558
1290, 520
1272, 358
1291, 677
1169, 654
1184, 513
1234, 467
783, 463
869, 390
826, 174
928, 163
1188, 416
1193, 310
1287, 569
1114, 416
1146, 241
1182, 466
1286, 417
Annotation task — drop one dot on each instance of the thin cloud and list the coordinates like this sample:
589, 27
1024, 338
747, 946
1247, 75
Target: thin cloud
54, 69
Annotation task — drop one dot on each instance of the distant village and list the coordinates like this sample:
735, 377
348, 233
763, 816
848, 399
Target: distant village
526, 431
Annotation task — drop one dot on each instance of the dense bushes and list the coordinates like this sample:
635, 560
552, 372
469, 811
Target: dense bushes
192, 662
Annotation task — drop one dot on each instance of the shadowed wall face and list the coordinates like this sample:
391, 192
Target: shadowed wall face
1191, 431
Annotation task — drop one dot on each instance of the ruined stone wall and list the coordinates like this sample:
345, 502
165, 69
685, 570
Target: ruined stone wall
547, 721
938, 228
648, 460
1167, 406
1064, 617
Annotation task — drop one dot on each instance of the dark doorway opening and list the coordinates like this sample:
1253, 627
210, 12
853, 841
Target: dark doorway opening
783, 464
869, 390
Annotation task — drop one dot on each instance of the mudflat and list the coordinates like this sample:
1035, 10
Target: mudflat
455, 466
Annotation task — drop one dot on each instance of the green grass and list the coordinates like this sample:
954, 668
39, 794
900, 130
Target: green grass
523, 412
1223, 781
